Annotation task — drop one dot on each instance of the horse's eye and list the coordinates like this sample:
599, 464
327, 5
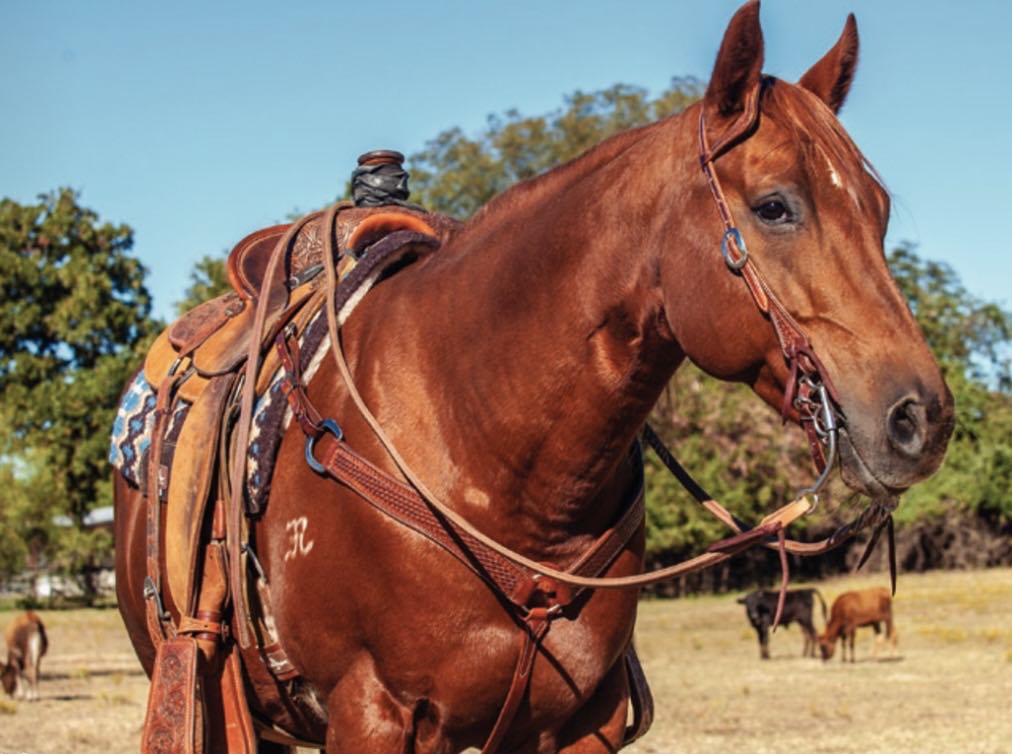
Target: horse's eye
773, 211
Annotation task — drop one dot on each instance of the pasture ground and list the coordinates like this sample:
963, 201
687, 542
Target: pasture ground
947, 690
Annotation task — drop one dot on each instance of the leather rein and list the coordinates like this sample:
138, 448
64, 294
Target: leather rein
538, 591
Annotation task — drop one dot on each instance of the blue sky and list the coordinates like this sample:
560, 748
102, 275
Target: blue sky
196, 123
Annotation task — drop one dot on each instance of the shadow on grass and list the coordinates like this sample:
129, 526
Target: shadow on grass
67, 698
102, 672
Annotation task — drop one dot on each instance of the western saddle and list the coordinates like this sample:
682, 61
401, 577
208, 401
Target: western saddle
207, 602
197, 702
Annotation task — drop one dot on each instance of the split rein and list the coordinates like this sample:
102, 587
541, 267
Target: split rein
808, 390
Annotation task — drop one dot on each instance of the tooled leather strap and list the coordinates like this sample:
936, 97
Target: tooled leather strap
793, 341
206, 624
403, 504
243, 428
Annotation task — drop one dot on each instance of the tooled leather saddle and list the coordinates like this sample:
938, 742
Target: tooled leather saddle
197, 700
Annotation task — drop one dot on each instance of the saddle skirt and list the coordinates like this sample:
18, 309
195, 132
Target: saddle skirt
181, 406
212, 340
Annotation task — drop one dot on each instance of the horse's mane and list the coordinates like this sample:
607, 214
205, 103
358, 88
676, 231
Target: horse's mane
536, 188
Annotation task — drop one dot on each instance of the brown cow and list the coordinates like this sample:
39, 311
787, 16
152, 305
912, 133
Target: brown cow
26, 643
853, 610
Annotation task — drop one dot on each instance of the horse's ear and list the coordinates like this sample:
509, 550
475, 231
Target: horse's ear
830, 78
739, 62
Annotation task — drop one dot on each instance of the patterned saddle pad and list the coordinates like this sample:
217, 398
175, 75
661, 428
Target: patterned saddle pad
135, 418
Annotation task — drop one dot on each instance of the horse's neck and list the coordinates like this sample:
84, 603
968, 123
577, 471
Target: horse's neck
538, 337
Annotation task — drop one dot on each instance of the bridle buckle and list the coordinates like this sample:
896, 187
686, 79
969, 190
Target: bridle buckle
734, 262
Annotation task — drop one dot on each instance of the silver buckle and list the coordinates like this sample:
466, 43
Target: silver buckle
735, 263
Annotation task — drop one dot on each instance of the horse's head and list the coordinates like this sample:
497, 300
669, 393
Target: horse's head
813, 216
826, 647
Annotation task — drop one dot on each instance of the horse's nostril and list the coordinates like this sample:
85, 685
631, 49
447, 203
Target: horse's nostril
906, 426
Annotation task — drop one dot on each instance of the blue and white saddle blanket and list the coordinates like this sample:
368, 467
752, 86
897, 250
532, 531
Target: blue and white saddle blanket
134, 424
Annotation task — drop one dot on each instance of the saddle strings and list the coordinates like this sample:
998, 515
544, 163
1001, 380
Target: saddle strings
249, 375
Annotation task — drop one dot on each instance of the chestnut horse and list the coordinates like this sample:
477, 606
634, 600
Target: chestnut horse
514, 369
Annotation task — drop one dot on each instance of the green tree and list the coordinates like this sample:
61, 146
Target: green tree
208, 279
971, 340
74, 321
970, 337
27, 523
13, 550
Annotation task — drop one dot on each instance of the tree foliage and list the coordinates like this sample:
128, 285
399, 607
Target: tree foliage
971, 340
74, 318
208, 279
13, 548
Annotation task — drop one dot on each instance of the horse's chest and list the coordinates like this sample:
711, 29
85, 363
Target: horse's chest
572, 660
433, 633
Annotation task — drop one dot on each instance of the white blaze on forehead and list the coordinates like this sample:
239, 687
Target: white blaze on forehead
834, 177
836, 180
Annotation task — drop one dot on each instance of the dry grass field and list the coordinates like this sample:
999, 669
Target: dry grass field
949, 689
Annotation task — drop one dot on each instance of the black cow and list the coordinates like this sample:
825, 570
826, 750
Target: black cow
762, 606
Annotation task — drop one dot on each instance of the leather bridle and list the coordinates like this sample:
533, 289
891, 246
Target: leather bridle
808, 389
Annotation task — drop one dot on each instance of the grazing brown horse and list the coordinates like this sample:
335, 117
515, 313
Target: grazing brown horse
854, 610
514, 369
26, 644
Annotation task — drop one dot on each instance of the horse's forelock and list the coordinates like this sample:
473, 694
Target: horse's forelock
816, 126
